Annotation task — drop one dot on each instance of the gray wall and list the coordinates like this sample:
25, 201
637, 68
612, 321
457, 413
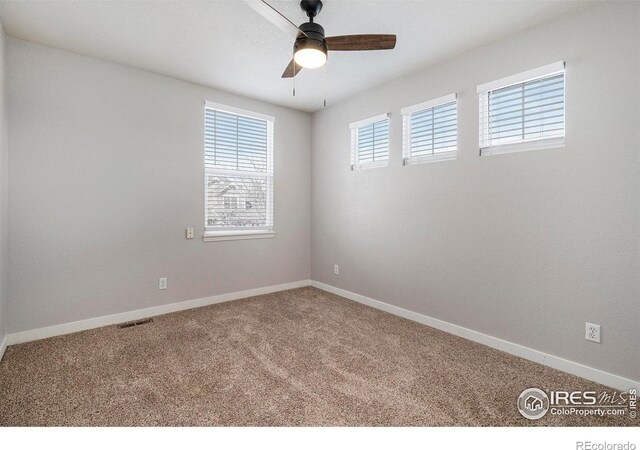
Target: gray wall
106, 168
4, 196
525, 246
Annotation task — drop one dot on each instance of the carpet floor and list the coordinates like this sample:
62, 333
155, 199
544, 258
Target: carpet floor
298, 357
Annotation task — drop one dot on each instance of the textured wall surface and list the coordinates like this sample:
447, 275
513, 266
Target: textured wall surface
526, 246
107, 172
4, 196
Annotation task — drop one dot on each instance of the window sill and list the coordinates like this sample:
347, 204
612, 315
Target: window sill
443, 156
237, 235
369, 165
523, 146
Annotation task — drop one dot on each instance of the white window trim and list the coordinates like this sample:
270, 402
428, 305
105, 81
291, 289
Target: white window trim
406, 112
525, 145
442, 156
522, 77
355, 165
237, 235
429, 104
241, 234
369, 120
238, 111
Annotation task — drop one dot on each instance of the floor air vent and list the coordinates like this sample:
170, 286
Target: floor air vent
135, 324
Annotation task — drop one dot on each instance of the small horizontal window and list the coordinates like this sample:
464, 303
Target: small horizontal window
370, 142
524, 111
430, 131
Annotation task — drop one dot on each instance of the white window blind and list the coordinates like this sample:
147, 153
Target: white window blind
430, 130
370, 142
524, 111
238, 160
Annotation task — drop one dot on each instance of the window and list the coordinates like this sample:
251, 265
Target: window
523, 112
430, 130
238, 161
370, 142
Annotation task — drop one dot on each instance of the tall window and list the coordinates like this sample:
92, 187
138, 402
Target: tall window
370, 142
238, 161
523, 112
430, 130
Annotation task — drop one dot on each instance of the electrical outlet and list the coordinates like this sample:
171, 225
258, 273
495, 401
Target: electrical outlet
592, 332
189, 233
336, 269
162, 283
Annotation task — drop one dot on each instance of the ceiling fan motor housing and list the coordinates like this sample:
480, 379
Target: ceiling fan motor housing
314, 38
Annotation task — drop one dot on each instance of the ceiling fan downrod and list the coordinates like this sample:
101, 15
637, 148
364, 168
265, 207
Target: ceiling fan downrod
311, 7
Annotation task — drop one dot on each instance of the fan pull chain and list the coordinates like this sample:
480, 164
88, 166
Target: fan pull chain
294, 73
324, 82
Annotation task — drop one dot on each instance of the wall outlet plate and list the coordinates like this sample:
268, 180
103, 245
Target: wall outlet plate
189, 233
592, 332
162, 283
336, 269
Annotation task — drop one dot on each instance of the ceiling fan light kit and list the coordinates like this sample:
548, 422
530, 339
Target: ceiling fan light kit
310, 49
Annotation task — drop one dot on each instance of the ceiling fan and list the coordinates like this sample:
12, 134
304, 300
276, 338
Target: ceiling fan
311, 46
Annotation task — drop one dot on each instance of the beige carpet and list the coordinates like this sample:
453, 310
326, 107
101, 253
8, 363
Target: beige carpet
300, 357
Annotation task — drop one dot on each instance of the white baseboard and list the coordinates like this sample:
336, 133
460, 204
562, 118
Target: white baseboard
81, 325
580, 370
574, 368
3, 347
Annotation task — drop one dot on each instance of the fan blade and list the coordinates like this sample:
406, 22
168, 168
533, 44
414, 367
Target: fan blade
356, 42
275, 17
291, 70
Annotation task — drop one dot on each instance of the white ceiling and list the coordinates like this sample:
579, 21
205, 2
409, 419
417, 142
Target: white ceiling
226, 45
